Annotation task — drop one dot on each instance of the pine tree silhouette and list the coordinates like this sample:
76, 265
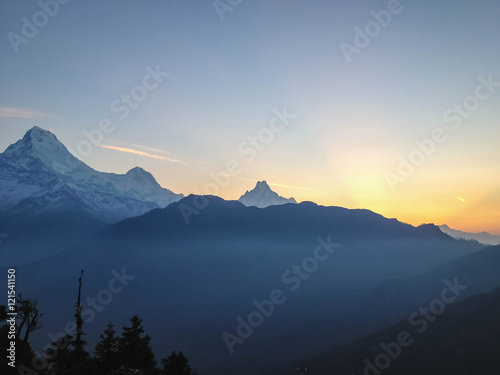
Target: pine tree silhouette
135, 349
79, 352
176, 364
106, 351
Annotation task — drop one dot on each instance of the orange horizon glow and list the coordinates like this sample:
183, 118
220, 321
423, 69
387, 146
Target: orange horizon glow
470, 215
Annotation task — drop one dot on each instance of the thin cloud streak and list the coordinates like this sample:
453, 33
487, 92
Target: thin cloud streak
151, 149
141, 153
12, 112
142, 147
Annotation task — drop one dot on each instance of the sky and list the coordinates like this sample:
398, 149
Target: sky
384, 105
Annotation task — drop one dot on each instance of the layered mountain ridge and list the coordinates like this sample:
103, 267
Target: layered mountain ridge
482, 237
204, 274
193, 281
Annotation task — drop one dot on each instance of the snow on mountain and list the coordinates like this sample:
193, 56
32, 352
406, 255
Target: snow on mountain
482, 237
262, 196
39, 175
43, 146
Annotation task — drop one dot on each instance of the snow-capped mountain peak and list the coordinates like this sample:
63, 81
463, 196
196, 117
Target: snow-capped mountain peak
34, 141
43, 145
262, 186
140, 175
262, 196
38, 174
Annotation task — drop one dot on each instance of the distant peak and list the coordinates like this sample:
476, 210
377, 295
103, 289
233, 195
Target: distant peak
262, 185
38, 134
137, 170
140, 175
44, 146
262, 196
34, 141
37, 129
41, 139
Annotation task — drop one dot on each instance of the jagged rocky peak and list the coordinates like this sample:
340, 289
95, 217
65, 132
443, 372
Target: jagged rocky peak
262, 196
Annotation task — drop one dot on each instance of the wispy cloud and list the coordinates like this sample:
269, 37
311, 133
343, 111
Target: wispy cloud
152, 149
20, 113
142, 153
128, 144
461, 199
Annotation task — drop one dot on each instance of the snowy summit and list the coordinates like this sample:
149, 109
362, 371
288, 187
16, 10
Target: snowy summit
39, 175
262, 196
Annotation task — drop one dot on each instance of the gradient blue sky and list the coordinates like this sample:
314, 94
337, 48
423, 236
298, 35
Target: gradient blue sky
226, 77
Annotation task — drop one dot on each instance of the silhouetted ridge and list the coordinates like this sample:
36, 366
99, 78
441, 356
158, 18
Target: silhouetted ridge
432, 230
196, 213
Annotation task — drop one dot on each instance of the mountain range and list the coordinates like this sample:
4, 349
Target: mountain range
49, 199
38, 175
191, 282
482, 237
343, 273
